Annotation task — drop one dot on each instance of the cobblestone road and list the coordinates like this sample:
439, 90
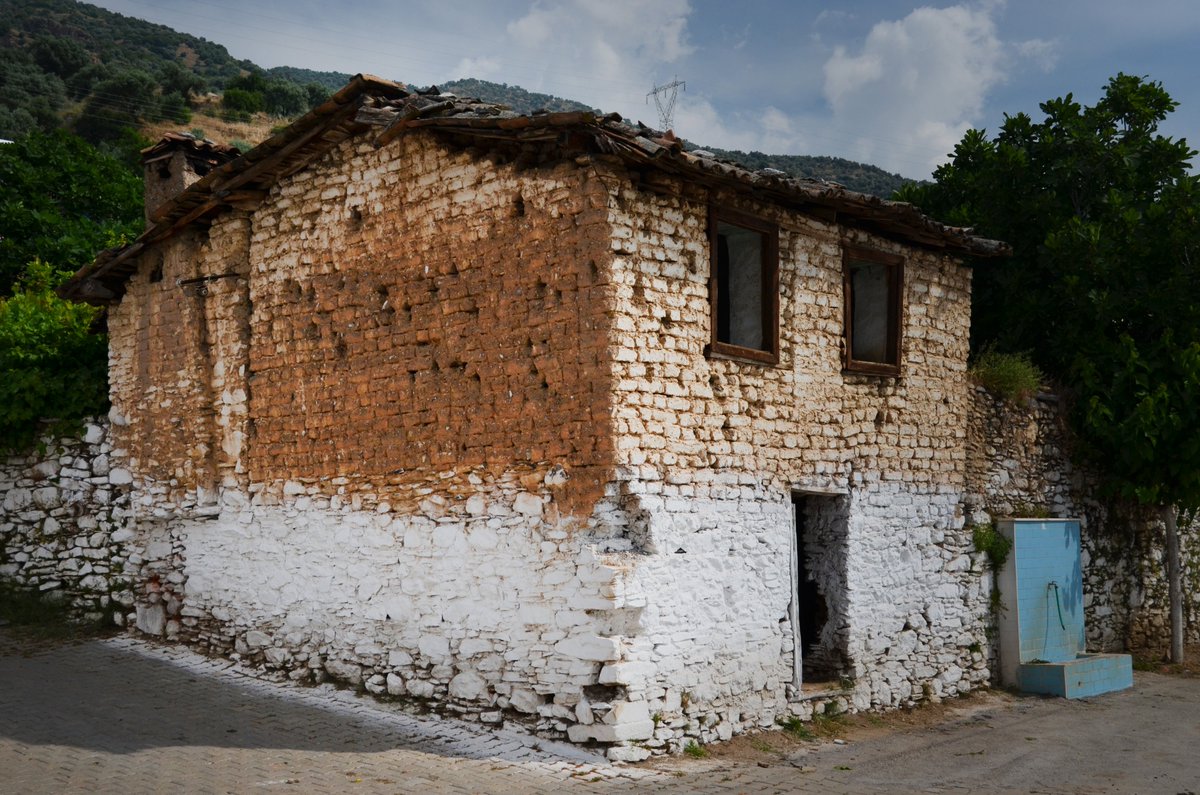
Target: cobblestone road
119, 716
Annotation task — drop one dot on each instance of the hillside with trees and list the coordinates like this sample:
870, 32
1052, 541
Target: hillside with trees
855, 176
515, 97
106, 77
110, 78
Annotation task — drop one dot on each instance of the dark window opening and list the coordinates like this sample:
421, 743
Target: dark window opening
156, 272
874, 286
744, 287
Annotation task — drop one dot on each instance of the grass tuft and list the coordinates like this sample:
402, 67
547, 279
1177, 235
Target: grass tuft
1009, 376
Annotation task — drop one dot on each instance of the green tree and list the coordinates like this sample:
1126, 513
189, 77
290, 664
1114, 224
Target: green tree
317, 94
242, 101
1102, 214
175, 79
116, 103
62, 201
174, 107
282, 98
80, 84
51, 364
30, 98
59, 56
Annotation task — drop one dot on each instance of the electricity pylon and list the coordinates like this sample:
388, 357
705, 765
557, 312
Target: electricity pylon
664, 100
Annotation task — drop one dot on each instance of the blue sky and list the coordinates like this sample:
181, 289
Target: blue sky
891, 83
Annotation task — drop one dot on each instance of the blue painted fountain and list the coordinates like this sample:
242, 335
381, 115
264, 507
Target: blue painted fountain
1041, 630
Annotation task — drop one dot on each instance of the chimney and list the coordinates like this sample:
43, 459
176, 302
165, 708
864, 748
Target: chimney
175, 162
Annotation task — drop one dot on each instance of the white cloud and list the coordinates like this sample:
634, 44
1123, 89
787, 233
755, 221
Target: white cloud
1043, 53
901, 100
606, 54
478, 68
834, 16
917, 84
698, 120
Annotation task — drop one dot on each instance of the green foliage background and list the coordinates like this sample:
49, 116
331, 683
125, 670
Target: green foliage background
61, 201
51, 365
1103, 214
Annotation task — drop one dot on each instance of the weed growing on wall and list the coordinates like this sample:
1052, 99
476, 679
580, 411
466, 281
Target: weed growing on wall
995, 547
43, 616
992, 543
1009, 376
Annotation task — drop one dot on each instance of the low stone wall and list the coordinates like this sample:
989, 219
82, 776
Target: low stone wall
63, 522
1019, 464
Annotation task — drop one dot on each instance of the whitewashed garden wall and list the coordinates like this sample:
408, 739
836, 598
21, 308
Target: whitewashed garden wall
63, 529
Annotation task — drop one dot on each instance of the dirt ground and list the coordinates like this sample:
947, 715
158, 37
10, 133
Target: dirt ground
1156, 660
771, 747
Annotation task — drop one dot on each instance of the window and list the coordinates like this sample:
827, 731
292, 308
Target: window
874, 285
744, 287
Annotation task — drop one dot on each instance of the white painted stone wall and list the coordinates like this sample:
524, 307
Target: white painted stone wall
489, 605
712, 655
63, 512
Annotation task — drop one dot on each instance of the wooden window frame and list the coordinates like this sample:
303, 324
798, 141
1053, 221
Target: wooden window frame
895, 321
769, 303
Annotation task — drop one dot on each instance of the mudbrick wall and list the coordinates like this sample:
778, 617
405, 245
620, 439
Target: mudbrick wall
1020, 465
371, 418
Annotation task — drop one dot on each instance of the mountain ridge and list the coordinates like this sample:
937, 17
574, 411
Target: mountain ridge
69, 64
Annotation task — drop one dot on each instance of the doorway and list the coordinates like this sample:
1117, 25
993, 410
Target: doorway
820, 600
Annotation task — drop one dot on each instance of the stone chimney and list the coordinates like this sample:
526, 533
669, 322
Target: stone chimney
175, 162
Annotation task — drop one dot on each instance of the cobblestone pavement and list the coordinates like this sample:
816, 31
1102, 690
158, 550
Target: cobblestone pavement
122, 716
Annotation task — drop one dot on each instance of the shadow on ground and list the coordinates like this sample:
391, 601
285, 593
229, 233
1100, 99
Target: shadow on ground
97, 696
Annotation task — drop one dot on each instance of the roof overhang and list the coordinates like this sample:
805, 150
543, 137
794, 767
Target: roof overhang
392, 110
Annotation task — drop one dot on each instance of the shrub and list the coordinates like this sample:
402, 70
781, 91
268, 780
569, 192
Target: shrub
51, 365
991, 542
1010, 376
238, 99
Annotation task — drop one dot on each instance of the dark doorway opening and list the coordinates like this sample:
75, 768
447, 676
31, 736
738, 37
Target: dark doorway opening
820, 579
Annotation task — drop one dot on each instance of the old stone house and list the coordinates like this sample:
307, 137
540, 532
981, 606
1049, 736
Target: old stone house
545, 415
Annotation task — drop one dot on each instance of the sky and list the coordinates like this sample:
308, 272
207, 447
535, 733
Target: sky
886, 82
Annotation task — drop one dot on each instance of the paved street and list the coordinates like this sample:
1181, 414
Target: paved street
118, 716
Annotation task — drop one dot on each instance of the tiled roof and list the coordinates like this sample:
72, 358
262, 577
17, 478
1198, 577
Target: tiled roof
388, 110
